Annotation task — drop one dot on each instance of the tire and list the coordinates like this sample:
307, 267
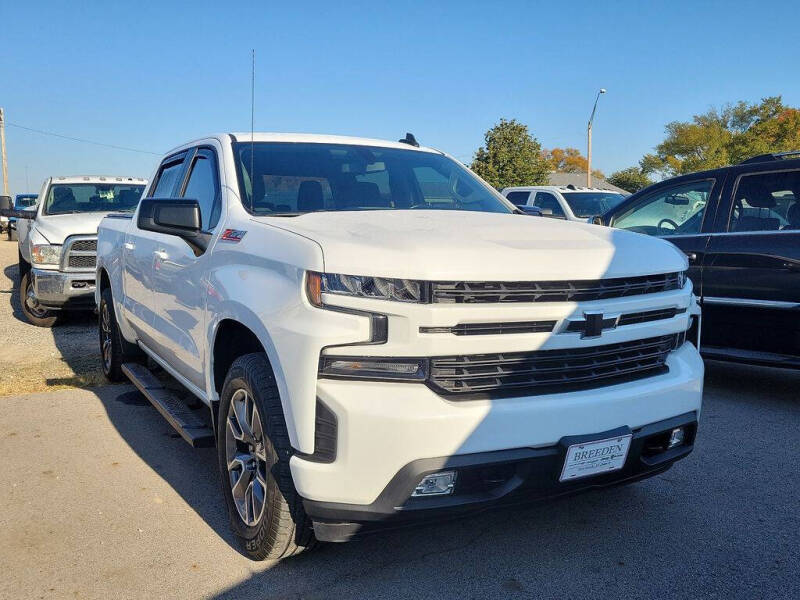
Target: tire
114, 349
39, 317
280, 528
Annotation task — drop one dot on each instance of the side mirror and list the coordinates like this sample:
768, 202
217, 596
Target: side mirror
533, 211
174, 216
7, 210
596, 220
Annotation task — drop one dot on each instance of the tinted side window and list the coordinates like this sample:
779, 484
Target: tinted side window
518, 198
167, 178
203, 186
548, 202
676, 210
766, 202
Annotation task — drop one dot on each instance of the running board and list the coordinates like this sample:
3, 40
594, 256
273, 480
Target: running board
185, 421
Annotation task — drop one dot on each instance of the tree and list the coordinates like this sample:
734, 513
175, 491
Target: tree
510, 156
631, 179
725, 136
568, 160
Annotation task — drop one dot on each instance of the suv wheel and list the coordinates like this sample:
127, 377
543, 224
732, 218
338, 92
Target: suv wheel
41, 317
265, 510
114, 349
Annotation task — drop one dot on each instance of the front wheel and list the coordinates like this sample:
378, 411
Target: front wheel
41, 317
265, 510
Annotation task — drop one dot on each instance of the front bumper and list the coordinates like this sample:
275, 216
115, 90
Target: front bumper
58, 290
384, 429
498, 479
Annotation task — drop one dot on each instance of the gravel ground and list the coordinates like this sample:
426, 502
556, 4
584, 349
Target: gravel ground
35, 358
101, 499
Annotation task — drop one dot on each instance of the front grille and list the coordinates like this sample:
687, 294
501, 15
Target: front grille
84, 246
649, 315
473, 292
82, 262
80, 254
546, 371
493, 328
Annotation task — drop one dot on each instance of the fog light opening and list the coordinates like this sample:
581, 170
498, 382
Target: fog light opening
676, 438
436, 484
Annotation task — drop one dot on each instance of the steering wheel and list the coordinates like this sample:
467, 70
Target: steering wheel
662, 230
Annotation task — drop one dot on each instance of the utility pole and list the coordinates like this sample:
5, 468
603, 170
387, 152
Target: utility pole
3, 151
589, 139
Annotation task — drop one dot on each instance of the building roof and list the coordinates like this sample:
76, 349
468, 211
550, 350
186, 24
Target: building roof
579, 180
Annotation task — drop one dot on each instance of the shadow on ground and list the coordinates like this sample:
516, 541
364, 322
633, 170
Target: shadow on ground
723, 522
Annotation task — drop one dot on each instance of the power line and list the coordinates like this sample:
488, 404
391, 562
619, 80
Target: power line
75, 139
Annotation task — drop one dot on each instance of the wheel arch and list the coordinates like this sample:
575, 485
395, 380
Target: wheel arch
233, 336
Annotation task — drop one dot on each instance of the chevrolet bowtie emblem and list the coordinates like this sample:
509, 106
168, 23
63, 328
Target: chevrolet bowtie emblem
592, 325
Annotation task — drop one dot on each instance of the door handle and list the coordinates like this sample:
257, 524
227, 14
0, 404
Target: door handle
129, 246
161, 254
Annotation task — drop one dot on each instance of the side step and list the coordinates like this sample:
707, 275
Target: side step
185, 421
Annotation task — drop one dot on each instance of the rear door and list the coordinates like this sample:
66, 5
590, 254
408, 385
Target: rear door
680, 211
751, 303
518, 197
139, 256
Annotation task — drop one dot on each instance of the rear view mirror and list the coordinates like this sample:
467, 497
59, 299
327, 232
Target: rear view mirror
677, 200
174, 216
596, 220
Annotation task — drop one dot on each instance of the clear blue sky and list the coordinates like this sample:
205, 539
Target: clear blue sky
147, 76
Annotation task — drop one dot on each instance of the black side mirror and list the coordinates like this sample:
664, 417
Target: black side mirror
533, 211
597, 220
174, 216
7, 210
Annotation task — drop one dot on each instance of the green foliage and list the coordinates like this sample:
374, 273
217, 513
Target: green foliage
631, 179
510, 156
726, 136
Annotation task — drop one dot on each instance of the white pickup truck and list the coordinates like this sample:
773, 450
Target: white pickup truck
57, 242
379, 337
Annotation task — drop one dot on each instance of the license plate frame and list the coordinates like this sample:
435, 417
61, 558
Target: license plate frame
590, 458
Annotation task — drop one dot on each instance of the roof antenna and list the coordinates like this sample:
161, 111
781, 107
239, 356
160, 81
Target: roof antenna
252, 125
410, 140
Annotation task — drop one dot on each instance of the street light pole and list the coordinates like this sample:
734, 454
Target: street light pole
3, 152
589, 140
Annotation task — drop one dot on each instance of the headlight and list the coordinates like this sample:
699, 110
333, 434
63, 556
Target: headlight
380, 288
393, 369
45, 254
682, 277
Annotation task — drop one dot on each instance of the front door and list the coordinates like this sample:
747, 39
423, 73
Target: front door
751, 303
682, 213
180, 274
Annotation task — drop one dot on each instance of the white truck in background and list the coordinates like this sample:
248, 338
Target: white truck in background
58, 241
378, 337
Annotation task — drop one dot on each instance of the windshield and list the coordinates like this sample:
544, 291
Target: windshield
589, 204
25, 201
65, 198
296, 178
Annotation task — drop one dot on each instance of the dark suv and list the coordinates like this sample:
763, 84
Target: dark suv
740, 228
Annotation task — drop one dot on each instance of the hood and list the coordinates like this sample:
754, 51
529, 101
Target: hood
461, 245
56, 228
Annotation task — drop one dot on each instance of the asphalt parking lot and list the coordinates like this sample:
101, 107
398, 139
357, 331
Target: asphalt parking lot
101, 499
